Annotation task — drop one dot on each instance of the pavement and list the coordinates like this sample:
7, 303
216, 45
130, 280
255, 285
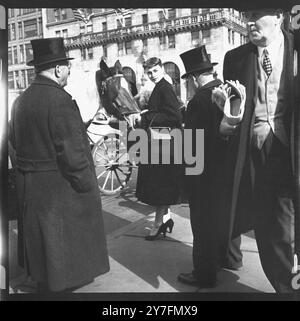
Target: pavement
137, 265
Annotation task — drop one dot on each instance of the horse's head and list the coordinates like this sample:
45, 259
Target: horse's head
115, 91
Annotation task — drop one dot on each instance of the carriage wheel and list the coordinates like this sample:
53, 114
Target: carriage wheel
112, 167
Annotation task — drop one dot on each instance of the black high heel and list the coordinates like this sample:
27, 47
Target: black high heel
170, 225
161, 230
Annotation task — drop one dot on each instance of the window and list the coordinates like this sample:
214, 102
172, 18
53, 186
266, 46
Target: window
172, 13
89, 11
20, 30
104, 26
195, 35
9, 53
28, 52
11, 13
120, 48
18, 12
173, 71
145, 44
60, 14
205, 35
12, 32
15, 55
30, 75
171, 40
128, 48
145, 18
30, 28
90, 53
105, 50
232, 36
40, 26
162, 41
161, 15
205, 11
22, 56
89, 29
65, 33
82, 29
63, 14
11, 84
28, 10
58, 33
128, 22
194, 11
119, 25
83, 54
20, 79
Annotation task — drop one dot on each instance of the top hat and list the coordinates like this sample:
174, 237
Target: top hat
196, 60
47, 50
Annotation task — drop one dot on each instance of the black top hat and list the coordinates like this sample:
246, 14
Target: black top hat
196, 60
47, 50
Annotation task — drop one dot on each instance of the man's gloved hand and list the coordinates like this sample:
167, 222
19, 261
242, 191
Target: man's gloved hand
230, 98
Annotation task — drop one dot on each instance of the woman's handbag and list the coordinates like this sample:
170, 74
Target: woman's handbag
161, 143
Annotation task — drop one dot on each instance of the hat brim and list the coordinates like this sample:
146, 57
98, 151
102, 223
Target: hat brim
198, 69
34, 63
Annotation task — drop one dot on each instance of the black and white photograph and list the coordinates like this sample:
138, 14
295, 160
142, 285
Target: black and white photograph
151, 151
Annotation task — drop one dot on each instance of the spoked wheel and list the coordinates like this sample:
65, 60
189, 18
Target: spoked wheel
112, 167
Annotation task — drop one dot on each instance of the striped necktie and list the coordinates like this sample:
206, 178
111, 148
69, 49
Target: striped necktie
267, 66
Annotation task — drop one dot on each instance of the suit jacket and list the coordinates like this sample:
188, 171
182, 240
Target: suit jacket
241, 64
58, 192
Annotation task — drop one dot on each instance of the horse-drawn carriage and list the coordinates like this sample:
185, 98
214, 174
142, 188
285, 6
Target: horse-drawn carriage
112, 164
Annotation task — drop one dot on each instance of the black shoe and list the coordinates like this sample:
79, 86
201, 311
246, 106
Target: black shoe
190, 279
161, 230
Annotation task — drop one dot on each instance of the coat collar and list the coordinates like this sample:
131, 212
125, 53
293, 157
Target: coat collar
42, 80
211, 84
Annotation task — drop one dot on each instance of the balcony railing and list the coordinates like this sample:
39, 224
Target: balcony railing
165, 25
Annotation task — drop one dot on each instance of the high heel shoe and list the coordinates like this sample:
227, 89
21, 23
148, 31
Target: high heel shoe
169, 224
162, 229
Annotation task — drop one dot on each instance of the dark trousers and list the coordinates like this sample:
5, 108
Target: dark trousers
274, 211
205, 244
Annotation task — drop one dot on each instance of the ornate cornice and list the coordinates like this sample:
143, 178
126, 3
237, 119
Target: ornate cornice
159, 28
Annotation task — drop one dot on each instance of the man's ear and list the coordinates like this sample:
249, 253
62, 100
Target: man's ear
57, 71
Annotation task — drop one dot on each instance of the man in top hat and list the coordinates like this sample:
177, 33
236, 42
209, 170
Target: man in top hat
64, 242
260, 167
202, 190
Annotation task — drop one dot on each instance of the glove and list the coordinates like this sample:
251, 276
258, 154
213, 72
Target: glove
230, 98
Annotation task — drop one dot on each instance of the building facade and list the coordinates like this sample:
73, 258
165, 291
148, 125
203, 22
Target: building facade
143, 33
23, 25
130, 36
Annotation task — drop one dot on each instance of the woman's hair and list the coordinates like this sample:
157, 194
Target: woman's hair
151, 62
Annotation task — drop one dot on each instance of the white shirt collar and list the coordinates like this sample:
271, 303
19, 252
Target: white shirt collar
273, 48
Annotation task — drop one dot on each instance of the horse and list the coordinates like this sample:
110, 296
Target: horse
115, 91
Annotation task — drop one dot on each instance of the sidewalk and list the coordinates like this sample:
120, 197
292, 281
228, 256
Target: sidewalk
137, 265
142, 266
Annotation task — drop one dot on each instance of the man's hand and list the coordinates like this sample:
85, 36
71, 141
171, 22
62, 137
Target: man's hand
226, 129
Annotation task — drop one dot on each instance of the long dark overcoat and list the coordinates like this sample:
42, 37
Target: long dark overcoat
161, 184
61, 215
240, 64
203, 114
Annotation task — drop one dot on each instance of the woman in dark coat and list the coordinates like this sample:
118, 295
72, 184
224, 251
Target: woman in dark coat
159, 185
